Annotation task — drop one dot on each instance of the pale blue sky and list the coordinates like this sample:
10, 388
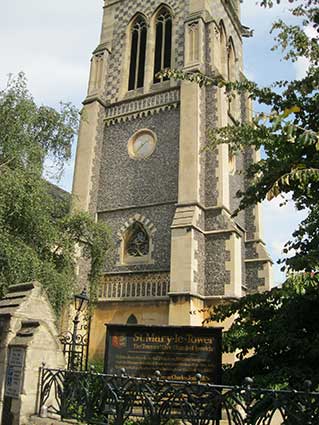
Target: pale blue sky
52, 41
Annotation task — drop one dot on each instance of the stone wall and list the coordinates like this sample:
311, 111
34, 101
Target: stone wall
125, 182
123, 13
161, 217
151, 312
30, 324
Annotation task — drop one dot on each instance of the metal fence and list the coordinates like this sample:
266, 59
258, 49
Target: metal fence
93, 398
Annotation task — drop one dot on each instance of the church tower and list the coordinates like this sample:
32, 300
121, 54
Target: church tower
141, 167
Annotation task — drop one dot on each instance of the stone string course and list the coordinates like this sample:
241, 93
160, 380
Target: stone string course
148, 105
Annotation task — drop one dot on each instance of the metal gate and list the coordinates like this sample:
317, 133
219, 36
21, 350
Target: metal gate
76, 346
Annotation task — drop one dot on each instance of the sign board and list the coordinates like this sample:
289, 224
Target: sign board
179, 353
14, 376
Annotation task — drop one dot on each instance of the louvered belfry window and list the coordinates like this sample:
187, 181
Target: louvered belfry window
163, 44
138, 53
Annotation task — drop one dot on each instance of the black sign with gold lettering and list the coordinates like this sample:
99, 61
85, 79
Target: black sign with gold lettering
179, 353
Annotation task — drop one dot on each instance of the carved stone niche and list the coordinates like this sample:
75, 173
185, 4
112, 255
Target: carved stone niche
194, 44
98, 72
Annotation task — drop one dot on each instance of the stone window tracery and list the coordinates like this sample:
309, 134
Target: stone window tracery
136, 238
137, 242
163, 43
193, 30
223, 48
138, 53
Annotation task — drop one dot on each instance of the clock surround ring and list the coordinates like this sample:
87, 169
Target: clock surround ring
136, 144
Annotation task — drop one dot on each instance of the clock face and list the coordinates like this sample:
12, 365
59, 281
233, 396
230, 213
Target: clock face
142, 144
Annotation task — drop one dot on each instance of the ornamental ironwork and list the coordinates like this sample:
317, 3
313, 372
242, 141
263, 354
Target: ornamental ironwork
76, 344
99, 399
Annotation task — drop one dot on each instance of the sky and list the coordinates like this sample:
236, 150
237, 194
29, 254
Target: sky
52, 42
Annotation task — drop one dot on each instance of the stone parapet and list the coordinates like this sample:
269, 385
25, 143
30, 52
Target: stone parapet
146, 105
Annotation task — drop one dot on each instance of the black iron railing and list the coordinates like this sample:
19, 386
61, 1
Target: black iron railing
76, 344
99, 399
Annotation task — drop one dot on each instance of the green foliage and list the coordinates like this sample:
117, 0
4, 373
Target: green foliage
38, 234
29, 133
275, 334
97, 366
289, 134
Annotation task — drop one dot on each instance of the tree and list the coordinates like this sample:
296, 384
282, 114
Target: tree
278, 330
39, 234
289, 134
275, 334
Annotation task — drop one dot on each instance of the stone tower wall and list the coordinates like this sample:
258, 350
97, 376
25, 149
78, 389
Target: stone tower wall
183, 194
123, 12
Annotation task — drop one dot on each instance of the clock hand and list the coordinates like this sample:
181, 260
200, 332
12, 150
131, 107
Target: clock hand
141, 146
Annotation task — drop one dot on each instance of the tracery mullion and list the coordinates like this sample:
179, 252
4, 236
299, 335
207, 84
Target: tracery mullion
163, 43
137, 65
228, 62
138, 54
142, 57
158, 49
134, 44
168, 43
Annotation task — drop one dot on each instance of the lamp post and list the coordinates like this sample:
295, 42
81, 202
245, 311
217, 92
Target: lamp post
81, 302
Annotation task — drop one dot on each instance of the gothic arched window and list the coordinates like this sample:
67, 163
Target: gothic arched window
223, 48
132, 320
138, 53
137, 241
231, 61
231, 73
163, 44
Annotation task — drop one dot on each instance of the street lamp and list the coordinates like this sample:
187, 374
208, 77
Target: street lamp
81, 302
